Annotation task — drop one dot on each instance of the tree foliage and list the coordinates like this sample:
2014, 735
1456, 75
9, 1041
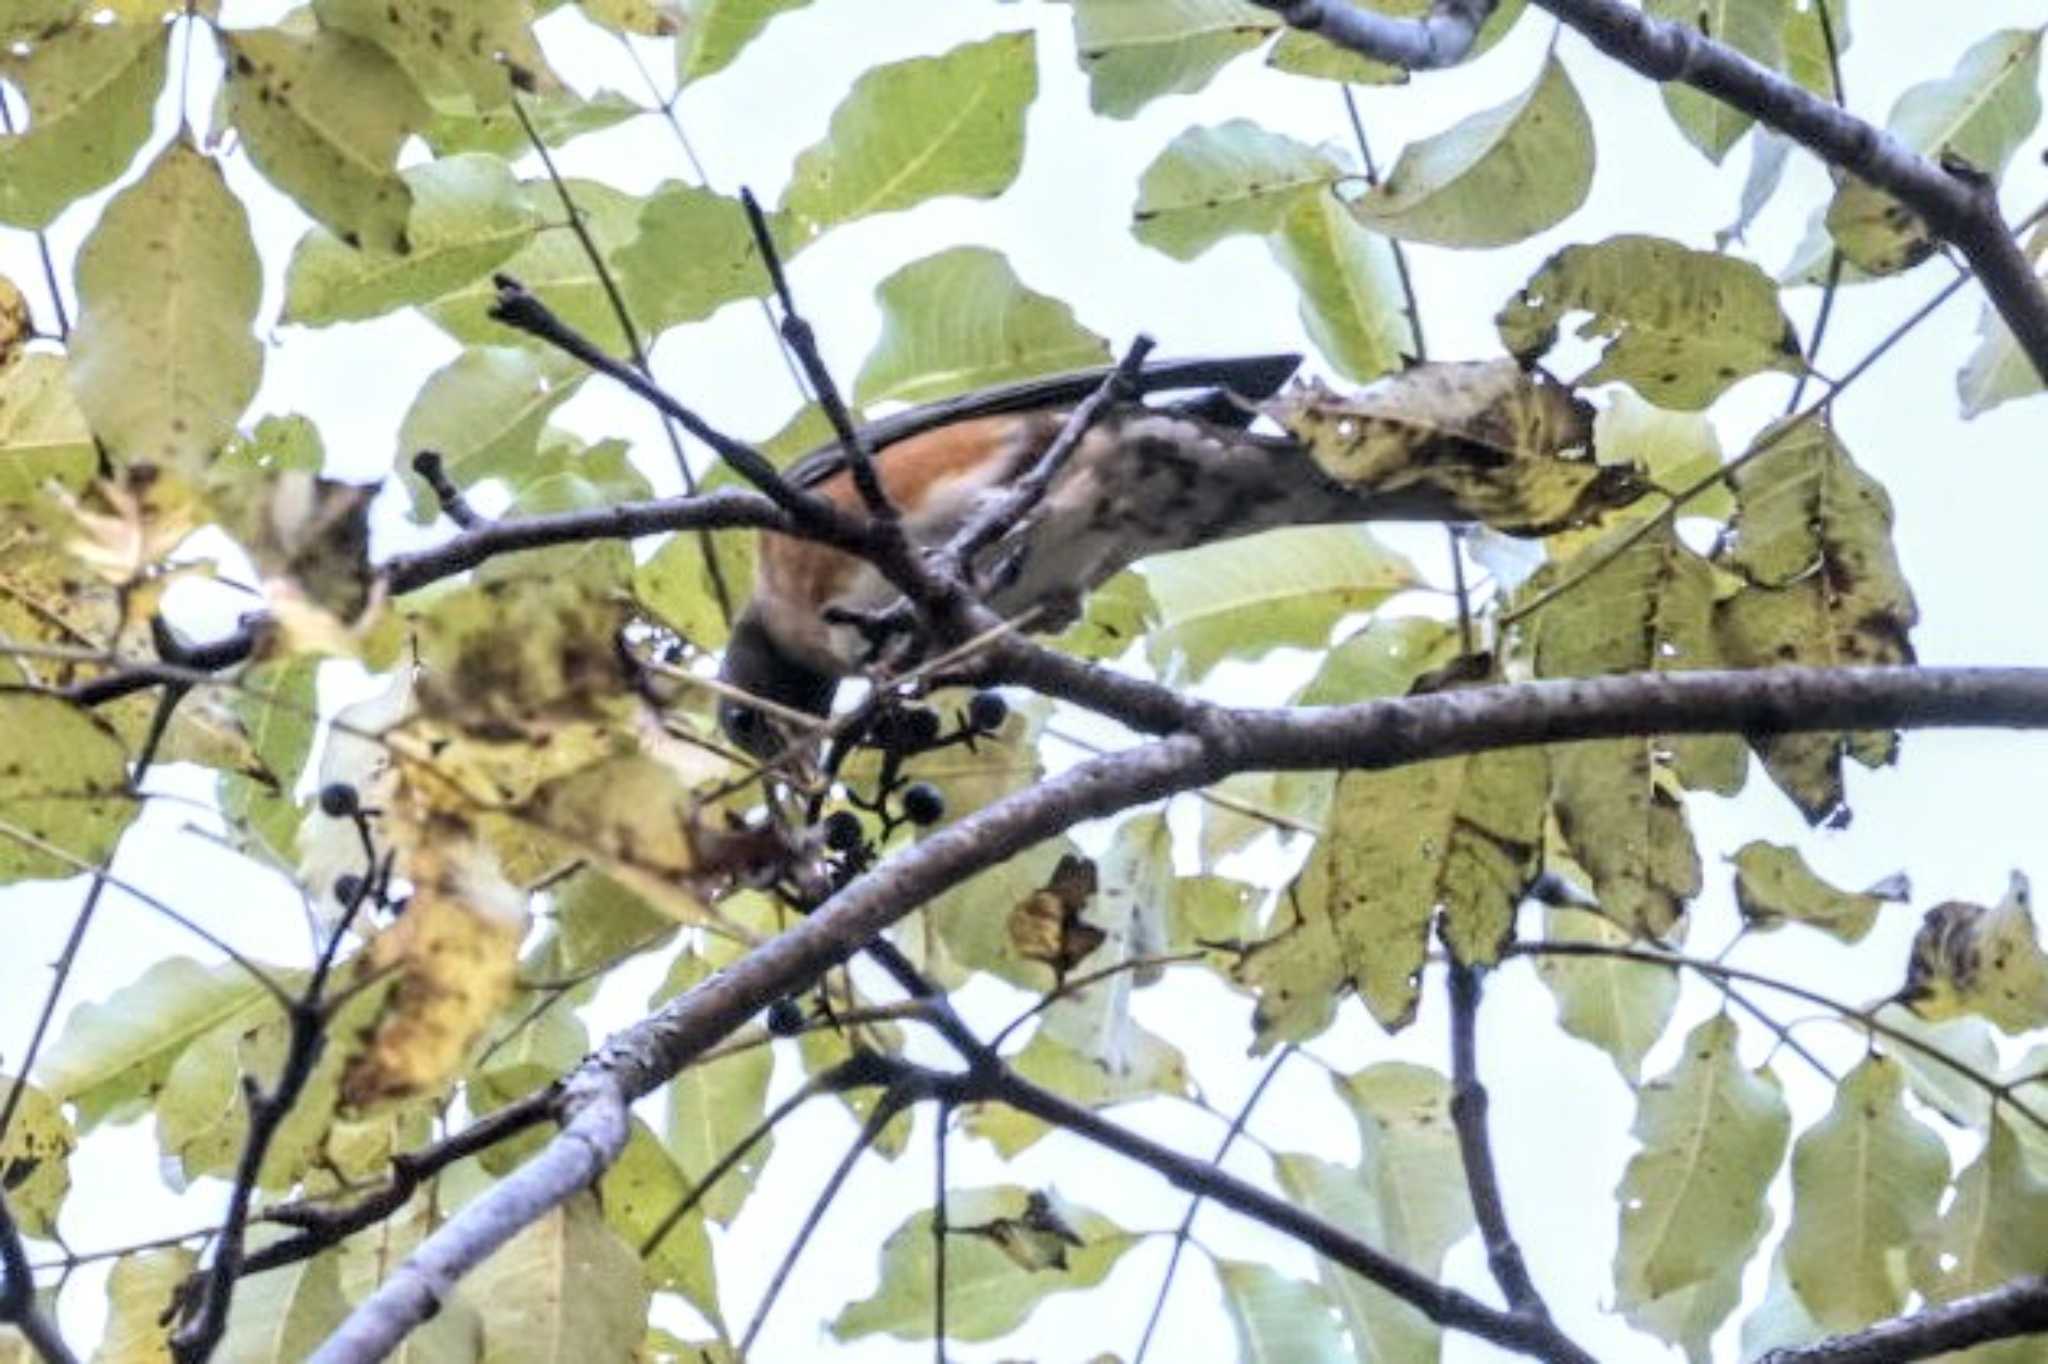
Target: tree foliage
526, 814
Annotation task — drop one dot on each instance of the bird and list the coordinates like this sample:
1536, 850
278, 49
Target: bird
1143, 480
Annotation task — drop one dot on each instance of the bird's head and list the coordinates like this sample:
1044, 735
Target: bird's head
756, 664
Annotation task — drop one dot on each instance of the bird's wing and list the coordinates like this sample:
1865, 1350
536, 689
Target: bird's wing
1252, 377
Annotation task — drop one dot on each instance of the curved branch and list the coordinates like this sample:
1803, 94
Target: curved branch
1441, 37
1958, 205
1377, 734
2019, 1308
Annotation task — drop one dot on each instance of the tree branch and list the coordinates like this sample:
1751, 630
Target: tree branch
1439, 38
2019, 1308
1958, 205
1378, 734
1475, 1148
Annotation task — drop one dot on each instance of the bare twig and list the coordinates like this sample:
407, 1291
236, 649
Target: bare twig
433, 471
18, 1306
1186, 1228
2019, 1308
1475, 1148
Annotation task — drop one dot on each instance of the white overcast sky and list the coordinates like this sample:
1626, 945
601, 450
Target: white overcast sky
1959, 814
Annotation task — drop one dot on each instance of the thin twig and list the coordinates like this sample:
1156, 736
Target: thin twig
1475, 1148
940, 1230
886, 1108
1187, 1221
433, 471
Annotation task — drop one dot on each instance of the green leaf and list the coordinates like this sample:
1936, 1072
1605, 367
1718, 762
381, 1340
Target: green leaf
961, 320
91, 91
716, 31
64, 797
1241, 598
916, 130
1998, 371
483, 49
322, 116
1500, 176
566, 1287
713, 1105
1212, 183
693, 255
988, 1293
35, 1157
1620, 1006
1409, 1159
278, 711
1755, 28
1146, 1066
555, 268
1806, 42
1351, 297
1279, 1320
139, 1296
1119, 611
559, 117
648, 18
1813, 537
112, 1057
1989, 962
1134, 51
1686, 324
1773, 884
1948, 1091
163, 373
675, 585
484, 412
1978, 115
1693, 1199
1382, 1326
638, 1194
1865, 1183
1993, 1232
44, 438
1676, 449
282, 1315
468, 215
1780, 1320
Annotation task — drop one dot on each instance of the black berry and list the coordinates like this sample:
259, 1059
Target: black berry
785, 1017
922, 803
348, 887
338, 800
987, 711
842, 831
908, 730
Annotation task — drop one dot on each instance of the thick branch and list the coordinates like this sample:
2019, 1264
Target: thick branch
1959, 206
2019, 1308
1378, 734
1441, 37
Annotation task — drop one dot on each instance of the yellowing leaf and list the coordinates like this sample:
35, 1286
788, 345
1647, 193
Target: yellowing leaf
44, 438
1978, 116
322, 116
961, 320
468, 214
35, 1156
1134, 51
1812, 534
1460, 441
1408, 1158
987, 1292
164, 372
1988, 962
1685, 324
1994, 1231
1865, 1182
139, 1320
1620, 1006
1382, 1326
482, 49
64, 796
638, 1194
1773, 884
1241, 598
91, 91
919, 129
1500, 176
1756, 29
566, 1287
284, 1314
1692, 1200
715, 31
1212, 183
